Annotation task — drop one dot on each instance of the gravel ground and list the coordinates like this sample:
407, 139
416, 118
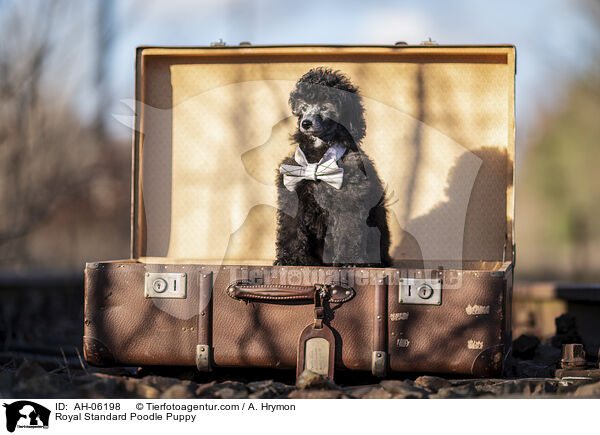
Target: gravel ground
40, 357
30, 379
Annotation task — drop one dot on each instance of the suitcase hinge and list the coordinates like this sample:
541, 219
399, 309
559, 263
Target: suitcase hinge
219, 43
429, 42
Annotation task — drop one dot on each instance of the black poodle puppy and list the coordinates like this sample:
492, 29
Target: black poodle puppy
331, 203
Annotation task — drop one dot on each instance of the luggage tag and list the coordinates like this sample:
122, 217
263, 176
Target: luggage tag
316, 347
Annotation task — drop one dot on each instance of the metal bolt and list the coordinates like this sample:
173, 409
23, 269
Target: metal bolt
573, 356
378, 317
378, 355
159, 285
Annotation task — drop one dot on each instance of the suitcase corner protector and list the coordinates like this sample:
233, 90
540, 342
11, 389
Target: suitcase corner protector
203, 358
379, 364
97, 353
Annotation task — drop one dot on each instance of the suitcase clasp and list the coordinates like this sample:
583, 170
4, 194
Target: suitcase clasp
165, 286
420, 291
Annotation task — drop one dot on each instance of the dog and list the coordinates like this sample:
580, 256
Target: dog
331, 202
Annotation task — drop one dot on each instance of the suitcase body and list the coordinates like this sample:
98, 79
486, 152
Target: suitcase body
200, 288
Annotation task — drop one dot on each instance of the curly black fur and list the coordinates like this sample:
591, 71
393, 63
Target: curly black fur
318, 224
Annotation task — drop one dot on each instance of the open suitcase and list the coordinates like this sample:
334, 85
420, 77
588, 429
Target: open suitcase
200, 288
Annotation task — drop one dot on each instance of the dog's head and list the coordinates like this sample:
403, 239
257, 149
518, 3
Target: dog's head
327, 103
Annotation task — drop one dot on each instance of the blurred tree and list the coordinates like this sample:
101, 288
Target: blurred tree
562, 170
105, 35
49, 158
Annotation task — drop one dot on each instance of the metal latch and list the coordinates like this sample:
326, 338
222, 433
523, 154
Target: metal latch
165, 285
420, 291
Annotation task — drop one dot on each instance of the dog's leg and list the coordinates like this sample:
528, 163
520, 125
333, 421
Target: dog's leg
349, 235
292, 242
379, 238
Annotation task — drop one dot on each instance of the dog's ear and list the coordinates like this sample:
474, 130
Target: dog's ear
295, 105
354, 119
295, 102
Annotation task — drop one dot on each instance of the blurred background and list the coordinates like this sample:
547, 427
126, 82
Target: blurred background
66, 66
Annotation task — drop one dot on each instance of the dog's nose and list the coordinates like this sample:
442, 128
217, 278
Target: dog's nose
306, 123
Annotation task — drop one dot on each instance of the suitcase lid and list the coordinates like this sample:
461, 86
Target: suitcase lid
213, 123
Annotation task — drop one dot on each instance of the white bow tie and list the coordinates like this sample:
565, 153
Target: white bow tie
325, 170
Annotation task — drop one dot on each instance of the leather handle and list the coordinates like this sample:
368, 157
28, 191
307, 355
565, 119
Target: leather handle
334, 292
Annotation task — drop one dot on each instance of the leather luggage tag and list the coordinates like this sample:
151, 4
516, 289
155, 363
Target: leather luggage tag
316, 347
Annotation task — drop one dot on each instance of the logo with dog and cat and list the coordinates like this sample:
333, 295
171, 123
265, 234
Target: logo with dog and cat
25, 414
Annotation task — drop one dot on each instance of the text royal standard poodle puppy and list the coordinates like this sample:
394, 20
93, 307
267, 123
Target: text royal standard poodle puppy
331, 204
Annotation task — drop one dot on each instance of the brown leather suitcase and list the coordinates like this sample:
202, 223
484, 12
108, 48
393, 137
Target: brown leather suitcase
200, 288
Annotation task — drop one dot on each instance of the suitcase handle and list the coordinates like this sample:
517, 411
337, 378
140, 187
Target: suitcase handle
335, 292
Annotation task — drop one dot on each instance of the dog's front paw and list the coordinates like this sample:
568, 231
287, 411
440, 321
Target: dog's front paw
294, 261
346, 265
285, 262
